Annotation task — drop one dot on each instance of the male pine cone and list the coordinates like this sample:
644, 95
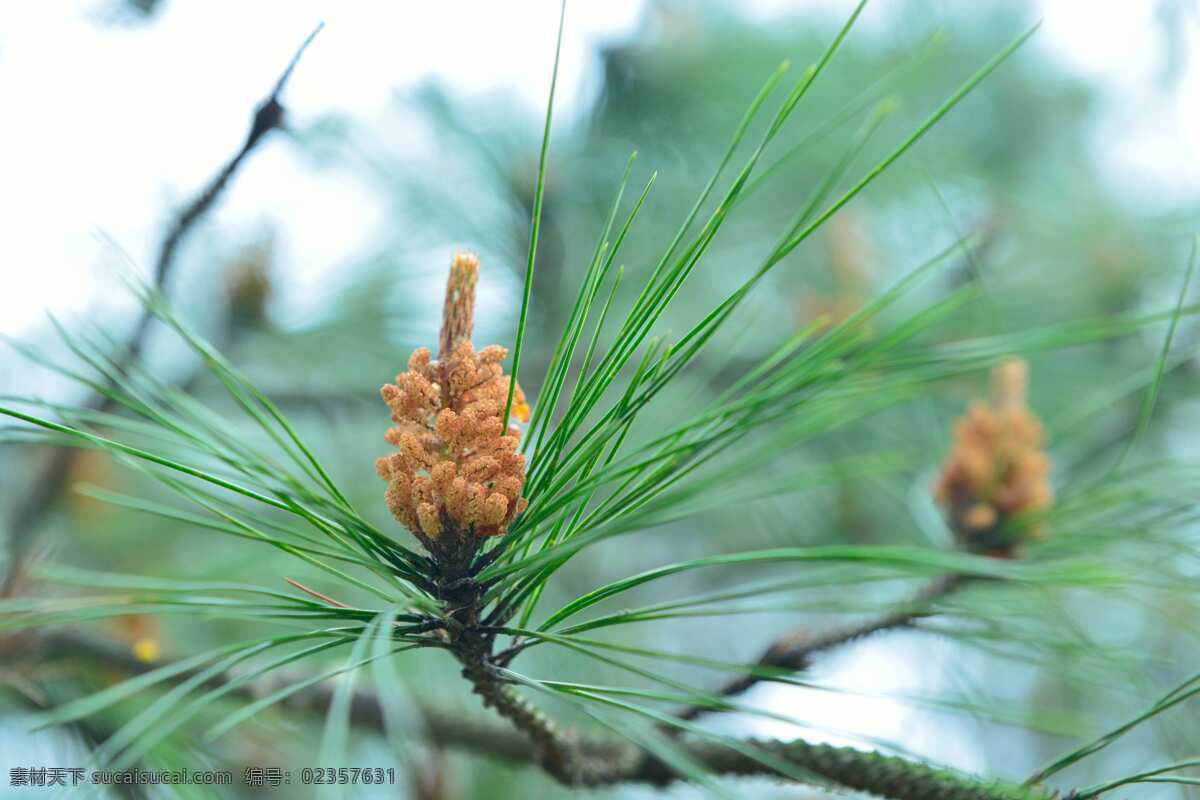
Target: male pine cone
997, 469
457, 472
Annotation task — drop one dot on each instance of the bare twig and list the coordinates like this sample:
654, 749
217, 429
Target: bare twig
47, 485
268, 116
794, 652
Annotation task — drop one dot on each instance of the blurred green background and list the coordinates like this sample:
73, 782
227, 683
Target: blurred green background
1079, 199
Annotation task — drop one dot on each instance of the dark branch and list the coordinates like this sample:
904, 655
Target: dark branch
794, 652
268, 116
48, 484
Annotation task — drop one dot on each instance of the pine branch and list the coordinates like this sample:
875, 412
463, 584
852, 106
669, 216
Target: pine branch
873, 773
551, 749
472, 642
589, 761
795, 651
46, 486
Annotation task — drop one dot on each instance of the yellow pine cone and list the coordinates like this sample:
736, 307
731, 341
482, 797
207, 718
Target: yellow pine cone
997, 468
457, 469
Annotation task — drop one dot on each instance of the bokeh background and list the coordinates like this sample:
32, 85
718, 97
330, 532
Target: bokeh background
413, 131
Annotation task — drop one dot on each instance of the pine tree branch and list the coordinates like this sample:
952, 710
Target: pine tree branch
47, 485
795, 651
551, 749
873, 773
594, 761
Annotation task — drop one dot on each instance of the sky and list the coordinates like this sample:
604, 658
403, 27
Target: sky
111, 125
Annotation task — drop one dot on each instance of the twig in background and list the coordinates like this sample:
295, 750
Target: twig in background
794, 652
45, 487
